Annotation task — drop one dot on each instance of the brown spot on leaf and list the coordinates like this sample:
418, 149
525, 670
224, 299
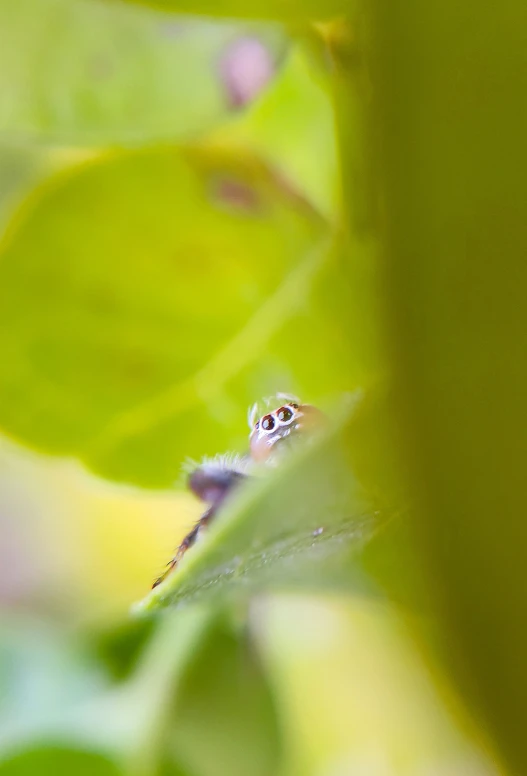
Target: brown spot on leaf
235, 195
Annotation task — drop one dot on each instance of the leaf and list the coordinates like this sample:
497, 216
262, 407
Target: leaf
449, 81
54, 694
135, 291
43, 677
292, 126
147, 699
58, 760
119, 647
224, 692
19, 168
92, 73
197, 679
296, 527
276, 9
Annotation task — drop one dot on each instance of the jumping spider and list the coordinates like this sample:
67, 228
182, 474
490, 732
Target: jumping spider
271, 435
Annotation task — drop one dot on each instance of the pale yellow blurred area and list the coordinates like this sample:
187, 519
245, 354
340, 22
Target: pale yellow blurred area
355, 695
78, 546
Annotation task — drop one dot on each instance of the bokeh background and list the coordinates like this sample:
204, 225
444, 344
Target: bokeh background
202, 204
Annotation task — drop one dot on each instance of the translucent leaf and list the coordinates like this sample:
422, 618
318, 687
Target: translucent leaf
59, 760
94, 73
134, 289
276, 9
292, 126
225, 692
450, 80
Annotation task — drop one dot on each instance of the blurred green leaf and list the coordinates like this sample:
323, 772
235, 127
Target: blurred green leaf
297, 527
148, 697
452, 123
119, 647
43, 676
58, 760
94, 73
197, 672
275, 9
19, 169
225, 693
53, 690
132, 290
292, 126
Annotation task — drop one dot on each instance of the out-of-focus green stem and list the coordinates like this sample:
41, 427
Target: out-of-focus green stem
449, 166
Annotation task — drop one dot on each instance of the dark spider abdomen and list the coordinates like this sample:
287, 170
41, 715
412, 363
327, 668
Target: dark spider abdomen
211, 484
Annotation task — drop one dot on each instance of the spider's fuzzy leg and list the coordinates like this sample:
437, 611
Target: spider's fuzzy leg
188, 541
211, 482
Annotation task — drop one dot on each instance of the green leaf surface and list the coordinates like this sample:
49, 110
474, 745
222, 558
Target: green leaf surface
44, 676
138, 291
19, 169
54, 691
451, 79
119, 648
290, 10
147, 699
58, 760
92, 73
225, 692
299, 526
197, 671
292, 126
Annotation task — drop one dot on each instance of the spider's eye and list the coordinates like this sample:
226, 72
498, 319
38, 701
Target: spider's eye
284, 414
293, 405
267, 423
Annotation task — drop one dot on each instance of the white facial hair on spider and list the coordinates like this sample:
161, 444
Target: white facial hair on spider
274, 430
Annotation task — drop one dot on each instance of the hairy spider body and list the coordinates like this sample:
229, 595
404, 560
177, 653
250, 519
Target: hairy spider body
216, 478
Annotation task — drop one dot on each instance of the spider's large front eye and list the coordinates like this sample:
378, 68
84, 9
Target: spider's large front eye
284, 414
267, 423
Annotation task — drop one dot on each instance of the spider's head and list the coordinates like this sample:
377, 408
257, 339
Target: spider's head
277, 428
